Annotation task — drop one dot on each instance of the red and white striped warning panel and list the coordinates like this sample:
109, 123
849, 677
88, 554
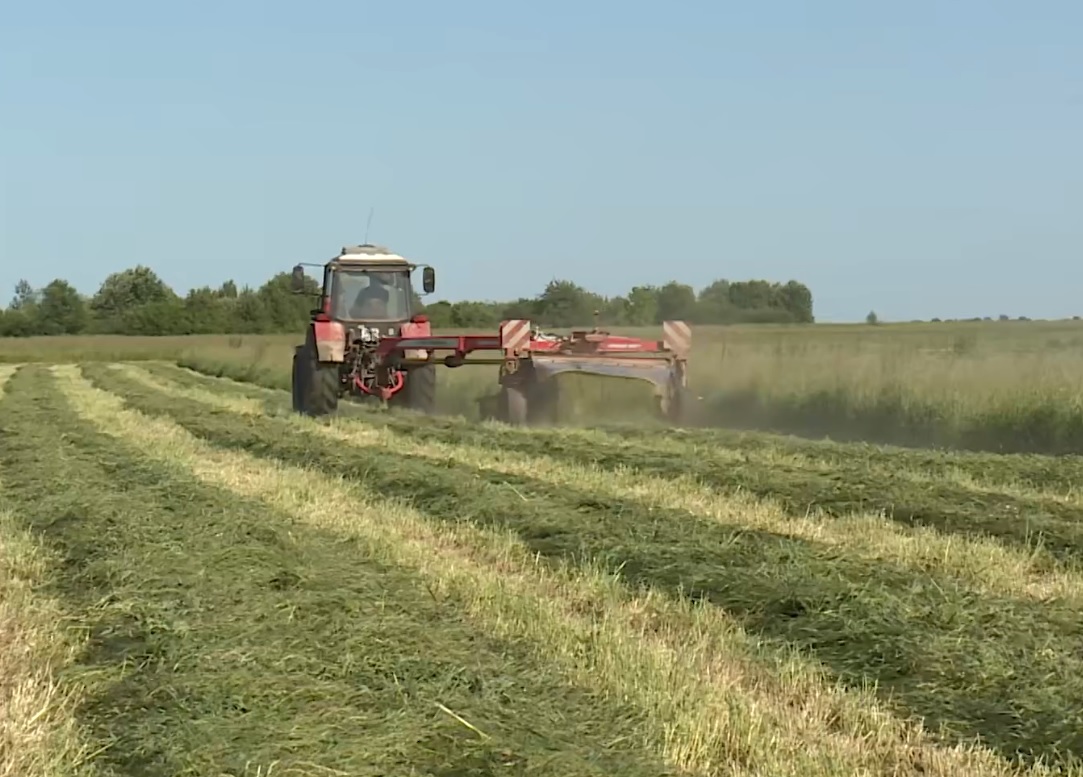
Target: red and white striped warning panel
677, 337
515, 335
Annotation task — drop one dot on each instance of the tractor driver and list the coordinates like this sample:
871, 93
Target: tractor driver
371, 301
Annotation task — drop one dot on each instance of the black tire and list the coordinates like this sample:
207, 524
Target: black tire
297, 387
419, 393
318, 383
516, 407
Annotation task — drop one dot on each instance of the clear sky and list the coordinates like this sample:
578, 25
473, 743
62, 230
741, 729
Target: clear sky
920, 159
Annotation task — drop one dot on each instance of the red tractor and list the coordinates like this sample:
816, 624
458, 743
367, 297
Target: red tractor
366, 341
367, 296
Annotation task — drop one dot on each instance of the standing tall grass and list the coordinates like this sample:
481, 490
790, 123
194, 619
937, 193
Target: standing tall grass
1001, 386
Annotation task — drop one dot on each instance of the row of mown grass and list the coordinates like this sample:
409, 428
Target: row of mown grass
38, 733
1024, 500
1060, 475
223, 636
977, 659
993, 563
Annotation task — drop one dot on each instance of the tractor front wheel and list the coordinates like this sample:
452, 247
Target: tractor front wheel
316, 385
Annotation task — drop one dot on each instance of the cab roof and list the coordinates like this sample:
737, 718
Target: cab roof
367, 253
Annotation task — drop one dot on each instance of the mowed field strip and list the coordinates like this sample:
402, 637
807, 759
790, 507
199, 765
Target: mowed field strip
232, 589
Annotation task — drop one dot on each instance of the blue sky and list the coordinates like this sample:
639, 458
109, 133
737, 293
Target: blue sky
920, 159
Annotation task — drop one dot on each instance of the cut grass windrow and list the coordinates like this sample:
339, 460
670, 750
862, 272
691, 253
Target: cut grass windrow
224, 637
719, 704
801, 485
984, 564
939, 649
38, 733
1058, 476
6, 371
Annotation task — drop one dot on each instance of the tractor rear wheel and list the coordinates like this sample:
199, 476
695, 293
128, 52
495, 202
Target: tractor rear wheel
419, 393
297, 386
317, 384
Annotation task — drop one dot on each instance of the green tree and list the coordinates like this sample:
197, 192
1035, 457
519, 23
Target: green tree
284, 309
676, 302
440, 314
61, 310
207, 311
522, 308
137, 301
565, 304
25, 296
643, 306
124, 291
797, 299
713, 305
249, 313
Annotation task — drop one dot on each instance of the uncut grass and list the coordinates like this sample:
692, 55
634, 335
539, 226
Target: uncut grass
1056, 476
841, 486
992, 666
987, 564
73, 348
746, 720
1000, 386
226, 638
997, 386
981, 387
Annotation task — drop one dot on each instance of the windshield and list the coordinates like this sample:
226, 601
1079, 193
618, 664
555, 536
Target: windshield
370, 295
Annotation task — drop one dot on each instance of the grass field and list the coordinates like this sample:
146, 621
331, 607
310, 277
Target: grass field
195, 581
993, 386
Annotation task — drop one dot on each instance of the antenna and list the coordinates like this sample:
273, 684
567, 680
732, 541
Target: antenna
369, 224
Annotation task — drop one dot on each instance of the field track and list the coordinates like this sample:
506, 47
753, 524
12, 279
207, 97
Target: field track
196, 581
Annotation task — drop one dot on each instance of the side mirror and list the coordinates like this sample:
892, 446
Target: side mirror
297, 281
428, 279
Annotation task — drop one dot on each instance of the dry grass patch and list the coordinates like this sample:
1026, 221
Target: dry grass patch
38, 734
985, 564
6, 371
720, 704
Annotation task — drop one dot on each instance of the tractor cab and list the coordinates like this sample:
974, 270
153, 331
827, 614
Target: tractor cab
368, 285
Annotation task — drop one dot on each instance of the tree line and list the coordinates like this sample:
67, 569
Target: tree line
137, 302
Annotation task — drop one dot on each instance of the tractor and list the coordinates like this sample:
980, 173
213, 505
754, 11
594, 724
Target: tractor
367, 341
367, 295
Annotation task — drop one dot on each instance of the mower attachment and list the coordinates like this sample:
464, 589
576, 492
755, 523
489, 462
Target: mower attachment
529, 359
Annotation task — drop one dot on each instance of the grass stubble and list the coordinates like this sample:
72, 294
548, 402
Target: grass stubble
718, 701
983, 562
988, 656
225, 638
